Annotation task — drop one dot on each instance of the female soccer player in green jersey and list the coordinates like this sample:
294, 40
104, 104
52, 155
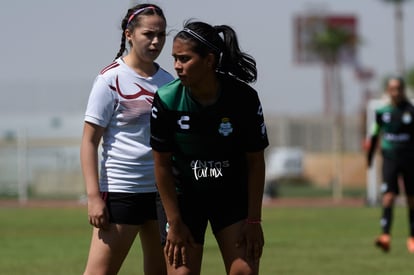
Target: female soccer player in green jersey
394, 124
208, 137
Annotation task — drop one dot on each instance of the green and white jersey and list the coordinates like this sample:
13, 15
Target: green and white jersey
395, 124
209, 144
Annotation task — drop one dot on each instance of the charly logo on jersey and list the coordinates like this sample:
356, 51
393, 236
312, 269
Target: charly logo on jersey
208, 168
183, 122
406, 118
154, 112
386, 117
225, 127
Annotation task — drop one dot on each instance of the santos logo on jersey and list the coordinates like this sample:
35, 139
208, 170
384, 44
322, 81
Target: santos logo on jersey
225, 128
406, 118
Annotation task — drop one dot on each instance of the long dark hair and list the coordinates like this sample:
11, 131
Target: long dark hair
229, 58
131, 21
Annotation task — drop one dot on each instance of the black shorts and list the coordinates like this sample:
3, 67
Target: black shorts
196, 211
392, 169
130, 208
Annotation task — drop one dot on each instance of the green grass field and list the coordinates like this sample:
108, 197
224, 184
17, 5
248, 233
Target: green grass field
299, 240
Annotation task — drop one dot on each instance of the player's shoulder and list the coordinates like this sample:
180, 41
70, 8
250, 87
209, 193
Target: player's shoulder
170, 87
112, 68
237, 87
384, 109
169, 92
164, 72
410, 105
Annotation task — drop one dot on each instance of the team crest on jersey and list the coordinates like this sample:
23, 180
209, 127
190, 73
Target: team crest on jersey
406, 118
386, 117
225, 128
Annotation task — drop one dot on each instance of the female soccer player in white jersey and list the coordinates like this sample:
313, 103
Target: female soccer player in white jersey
121, 199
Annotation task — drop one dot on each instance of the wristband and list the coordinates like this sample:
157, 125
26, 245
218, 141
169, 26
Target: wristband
253, 221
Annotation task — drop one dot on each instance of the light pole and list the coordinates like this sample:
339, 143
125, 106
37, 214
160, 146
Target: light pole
399, 38
399, 34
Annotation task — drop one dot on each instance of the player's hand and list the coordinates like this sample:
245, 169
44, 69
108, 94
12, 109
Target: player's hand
366, 144
179, 238
98, 213
252, 236
369, 162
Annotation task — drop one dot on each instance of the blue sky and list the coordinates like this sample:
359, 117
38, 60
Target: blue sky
52, 50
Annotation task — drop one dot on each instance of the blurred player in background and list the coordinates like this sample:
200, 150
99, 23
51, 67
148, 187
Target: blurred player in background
394, 125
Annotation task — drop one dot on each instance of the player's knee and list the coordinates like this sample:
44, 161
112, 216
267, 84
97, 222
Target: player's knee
241, 267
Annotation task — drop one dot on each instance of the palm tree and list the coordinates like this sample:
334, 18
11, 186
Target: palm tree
329, 44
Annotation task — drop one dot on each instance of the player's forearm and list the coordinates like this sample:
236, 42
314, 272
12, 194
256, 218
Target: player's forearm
91, 138
89, 161
256, 179
371, 149
166, 187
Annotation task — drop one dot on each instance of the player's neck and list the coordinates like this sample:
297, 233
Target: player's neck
206, 94
144, 69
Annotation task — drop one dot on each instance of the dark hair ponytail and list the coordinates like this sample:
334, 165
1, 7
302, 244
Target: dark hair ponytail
233, 60
229, 58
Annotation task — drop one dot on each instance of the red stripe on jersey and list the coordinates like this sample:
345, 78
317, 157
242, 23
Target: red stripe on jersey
112, 88
109, 67
141, 92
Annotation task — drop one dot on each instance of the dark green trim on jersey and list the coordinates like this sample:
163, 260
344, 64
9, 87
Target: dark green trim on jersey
173, 95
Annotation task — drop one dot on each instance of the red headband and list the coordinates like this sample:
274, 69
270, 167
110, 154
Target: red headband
137, 12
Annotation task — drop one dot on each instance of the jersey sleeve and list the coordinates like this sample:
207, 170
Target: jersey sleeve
376, 125
161, 127
256, 133
374, 131
101, 103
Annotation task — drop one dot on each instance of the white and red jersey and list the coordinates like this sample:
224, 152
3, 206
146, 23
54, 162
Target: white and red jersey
120, 101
